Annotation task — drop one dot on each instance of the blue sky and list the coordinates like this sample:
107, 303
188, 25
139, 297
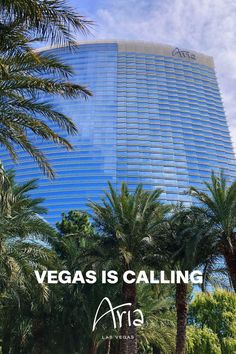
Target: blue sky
208, 26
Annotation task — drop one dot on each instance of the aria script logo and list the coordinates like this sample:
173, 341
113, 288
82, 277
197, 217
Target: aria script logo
117, 315
183, 54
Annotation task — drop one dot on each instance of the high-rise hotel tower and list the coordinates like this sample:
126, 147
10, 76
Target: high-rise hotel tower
156, 118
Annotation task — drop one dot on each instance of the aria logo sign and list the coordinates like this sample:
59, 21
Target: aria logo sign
183, 54
117, 315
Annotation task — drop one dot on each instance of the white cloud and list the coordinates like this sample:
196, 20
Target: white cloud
208, 26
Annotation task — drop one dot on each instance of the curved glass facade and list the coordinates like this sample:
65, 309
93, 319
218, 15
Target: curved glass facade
156, 118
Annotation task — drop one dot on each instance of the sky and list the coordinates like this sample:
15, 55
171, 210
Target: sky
207, 26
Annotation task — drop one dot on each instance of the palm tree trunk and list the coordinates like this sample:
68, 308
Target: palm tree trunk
128, 343
108, 346
93, 347
6, 342
230, 260
182, 313
156, 350
115, 347
38, 332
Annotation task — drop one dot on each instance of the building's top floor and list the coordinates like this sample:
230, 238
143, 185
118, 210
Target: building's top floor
154, 48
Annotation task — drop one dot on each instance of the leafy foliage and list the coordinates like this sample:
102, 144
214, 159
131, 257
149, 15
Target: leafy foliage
217, 312
202, 340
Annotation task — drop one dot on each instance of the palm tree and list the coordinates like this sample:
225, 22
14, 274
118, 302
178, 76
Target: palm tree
126, 220
53, 21
158, 333
21, 297
76, 306
28, 78
219, 204
21, 227
187, 242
